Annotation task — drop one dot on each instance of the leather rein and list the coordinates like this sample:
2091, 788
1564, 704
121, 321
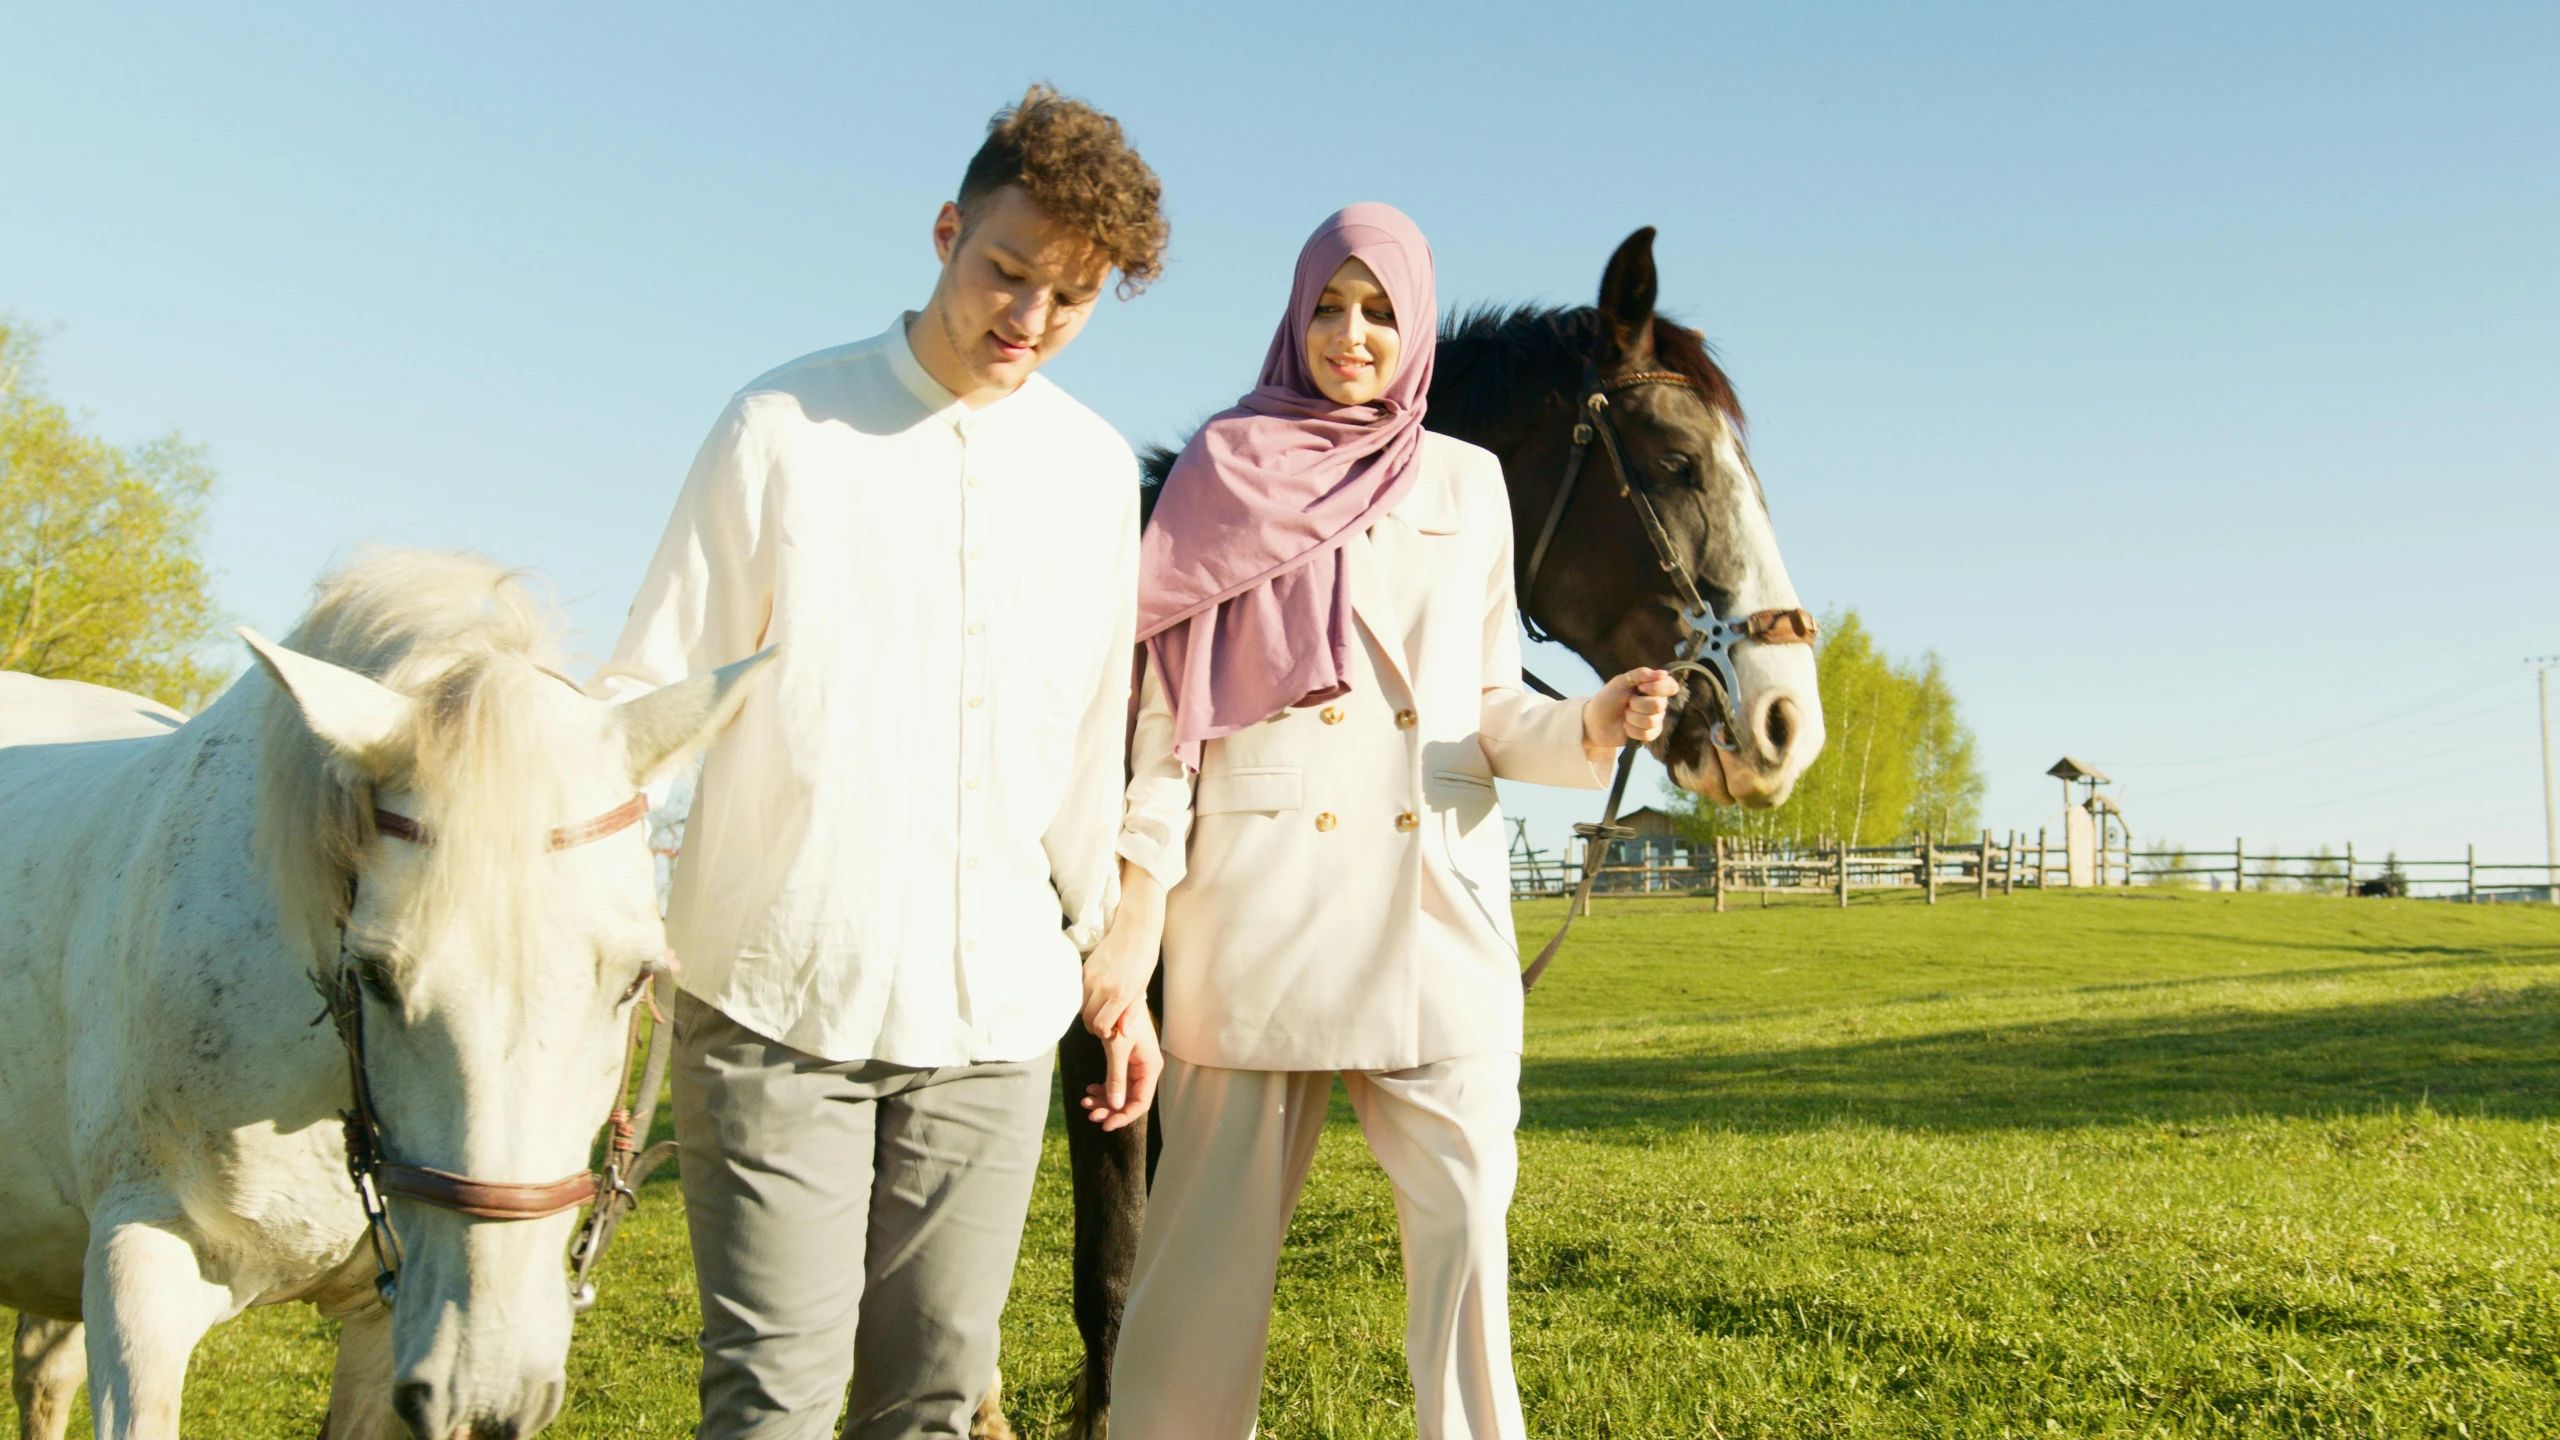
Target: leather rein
377, 1176
1707, 641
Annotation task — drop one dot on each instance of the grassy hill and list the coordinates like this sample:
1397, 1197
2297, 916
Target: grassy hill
2077, 1164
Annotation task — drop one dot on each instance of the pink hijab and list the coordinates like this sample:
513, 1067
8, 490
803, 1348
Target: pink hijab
1243, 602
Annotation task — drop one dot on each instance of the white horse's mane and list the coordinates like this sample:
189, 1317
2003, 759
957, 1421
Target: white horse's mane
472, 645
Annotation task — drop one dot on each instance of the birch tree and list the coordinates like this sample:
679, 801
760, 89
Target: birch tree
1900, 760
102, 575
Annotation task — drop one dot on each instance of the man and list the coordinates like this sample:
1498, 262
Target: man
899, 851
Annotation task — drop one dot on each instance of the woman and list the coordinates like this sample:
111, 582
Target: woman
1332, 684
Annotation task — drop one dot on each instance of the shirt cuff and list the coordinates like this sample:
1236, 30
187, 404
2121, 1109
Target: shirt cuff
1166, 862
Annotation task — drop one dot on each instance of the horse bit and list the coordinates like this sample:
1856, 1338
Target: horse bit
1706, 644
613, 1191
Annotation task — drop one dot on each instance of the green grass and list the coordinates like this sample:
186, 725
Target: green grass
2078, 1164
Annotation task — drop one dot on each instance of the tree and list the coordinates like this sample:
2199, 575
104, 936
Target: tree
102, 576
1900, 760
2168, 870
2328, 874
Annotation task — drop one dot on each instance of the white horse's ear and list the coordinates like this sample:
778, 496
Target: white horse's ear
670, 722
366, 722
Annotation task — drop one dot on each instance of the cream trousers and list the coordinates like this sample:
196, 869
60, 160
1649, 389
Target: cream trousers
1236, 1148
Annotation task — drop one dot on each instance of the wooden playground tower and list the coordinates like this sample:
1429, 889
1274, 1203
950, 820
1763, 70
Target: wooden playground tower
2095, 836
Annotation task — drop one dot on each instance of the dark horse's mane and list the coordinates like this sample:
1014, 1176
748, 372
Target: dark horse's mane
1491, 355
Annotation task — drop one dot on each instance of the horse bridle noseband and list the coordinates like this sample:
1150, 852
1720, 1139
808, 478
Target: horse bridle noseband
377, 1176
1707, 640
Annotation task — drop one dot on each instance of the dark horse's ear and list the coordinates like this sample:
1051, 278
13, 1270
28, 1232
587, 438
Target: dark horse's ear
1627, 291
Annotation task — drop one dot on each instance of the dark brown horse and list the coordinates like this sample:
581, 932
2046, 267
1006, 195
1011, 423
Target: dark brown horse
1517, 382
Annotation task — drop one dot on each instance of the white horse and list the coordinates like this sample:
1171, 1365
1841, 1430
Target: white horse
169, 1112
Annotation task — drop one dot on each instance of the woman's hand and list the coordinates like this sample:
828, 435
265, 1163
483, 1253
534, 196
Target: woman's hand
1630, 707
1132, 1063
1117, 972
1115, 1002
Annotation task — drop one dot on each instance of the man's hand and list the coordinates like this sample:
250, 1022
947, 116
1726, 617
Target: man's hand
1630, 707
1133, 1062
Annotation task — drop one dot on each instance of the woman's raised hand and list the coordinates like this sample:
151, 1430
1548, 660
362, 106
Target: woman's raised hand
1634, 706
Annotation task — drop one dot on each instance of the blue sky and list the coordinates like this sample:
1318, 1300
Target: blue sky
2182, 374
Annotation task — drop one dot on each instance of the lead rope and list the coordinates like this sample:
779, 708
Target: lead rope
627, 1166
1596, 842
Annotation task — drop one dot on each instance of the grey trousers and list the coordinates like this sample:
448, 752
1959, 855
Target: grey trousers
854, 1220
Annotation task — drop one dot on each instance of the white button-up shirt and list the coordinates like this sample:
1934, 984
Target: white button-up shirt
904, 843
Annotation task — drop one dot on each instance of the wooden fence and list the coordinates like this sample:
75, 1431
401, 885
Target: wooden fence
1667, 866
2341, 872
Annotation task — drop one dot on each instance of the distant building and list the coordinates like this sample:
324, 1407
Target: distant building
1649, 822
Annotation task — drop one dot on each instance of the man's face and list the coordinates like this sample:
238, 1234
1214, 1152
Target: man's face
1014, 289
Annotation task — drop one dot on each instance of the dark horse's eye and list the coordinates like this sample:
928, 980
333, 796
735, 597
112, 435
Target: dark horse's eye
639, 983
1677, 463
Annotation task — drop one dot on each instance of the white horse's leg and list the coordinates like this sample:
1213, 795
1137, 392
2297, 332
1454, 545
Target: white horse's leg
360, 1390
147, 1303
50, 1363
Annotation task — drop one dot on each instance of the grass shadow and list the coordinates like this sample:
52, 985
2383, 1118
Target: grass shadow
2493, 1052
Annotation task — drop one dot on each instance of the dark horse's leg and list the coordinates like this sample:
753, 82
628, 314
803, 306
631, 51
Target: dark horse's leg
1111, 1172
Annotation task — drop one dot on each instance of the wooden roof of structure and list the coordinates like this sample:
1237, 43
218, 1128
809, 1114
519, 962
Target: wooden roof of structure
2069, 769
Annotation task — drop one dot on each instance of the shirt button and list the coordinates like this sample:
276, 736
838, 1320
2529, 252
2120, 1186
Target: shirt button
1325, 821
1405, 719
968, 944
971, 482
975, 552
1332, 715
971, 862
977, 627
977, 700
1406, 821
972, 782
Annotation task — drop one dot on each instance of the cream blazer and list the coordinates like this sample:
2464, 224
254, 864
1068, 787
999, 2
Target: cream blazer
1339, 876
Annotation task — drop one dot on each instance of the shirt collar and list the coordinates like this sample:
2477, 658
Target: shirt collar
927, 390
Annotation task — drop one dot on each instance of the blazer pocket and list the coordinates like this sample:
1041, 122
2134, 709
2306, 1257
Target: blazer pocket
1251, 787
1468, 797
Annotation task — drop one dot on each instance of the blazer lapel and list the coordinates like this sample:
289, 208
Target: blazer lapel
1373, 599
1391, 568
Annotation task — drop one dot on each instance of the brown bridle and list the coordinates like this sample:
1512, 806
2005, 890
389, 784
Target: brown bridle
1707, 641
377, 1176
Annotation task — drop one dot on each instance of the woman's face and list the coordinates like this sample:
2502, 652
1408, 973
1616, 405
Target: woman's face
1352, 345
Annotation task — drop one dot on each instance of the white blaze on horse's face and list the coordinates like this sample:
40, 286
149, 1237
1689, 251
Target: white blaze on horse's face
1781, 705
498, 990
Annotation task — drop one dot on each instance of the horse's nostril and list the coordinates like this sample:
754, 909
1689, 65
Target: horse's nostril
414, 1401
1780, 725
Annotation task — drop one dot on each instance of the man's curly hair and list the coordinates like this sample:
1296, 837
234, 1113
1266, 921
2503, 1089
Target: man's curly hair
1076, 165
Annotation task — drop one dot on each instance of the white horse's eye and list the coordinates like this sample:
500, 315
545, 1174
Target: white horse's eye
374, 973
